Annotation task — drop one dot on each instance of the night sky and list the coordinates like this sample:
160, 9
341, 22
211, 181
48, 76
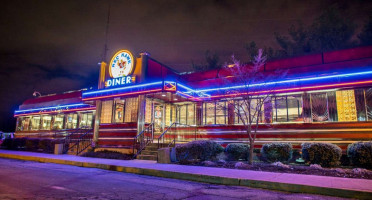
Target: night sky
54, 46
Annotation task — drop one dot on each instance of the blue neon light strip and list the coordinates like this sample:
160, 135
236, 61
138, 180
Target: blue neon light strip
187, 88
53, 107
122, 88
287, 81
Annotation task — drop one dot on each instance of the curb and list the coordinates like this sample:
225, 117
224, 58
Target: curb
287, 187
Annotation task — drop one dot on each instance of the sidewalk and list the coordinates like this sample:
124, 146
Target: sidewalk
333, 186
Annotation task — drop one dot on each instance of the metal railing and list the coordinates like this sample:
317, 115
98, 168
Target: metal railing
143, 139
162, 137
80, 141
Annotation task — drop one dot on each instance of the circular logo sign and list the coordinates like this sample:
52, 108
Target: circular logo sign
121, 64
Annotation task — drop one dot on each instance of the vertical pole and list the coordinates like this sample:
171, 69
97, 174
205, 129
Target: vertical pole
141, 113
97, 117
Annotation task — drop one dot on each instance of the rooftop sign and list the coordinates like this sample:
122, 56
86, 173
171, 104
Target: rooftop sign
121, 64
120, 69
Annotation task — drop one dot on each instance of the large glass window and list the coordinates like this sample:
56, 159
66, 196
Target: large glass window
46, 122
86, 120
242, 114
319, 107
221, 113
209, 113
368, 97
71, 121
182, 114
294, 108
240, 110
346, 108
190, 114
23, 124
119, 111
280, 113
35, 122
131, 109
106, 114
58, 122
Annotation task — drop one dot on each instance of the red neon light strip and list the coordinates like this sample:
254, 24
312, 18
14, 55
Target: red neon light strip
56, 111
289, 89
125, 94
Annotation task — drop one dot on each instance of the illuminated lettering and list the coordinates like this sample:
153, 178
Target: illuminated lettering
120, 81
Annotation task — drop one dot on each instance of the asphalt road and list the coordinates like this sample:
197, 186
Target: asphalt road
33, 180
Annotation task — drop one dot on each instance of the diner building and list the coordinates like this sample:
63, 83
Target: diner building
324, 97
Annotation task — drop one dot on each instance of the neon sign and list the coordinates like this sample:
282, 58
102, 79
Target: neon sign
120, 81
121, 64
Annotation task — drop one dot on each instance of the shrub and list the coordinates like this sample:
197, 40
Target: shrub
324, 154
47, 145
14, 143
237, 151
32, 144
198, 150
7, 143
360, 154
305, 153
273, 152
19, 143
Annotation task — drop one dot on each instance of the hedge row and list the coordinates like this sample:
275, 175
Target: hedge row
30, 144
198, 150
360, 154
324, 154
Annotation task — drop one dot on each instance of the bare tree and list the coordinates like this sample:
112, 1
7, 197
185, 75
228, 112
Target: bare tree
251, 94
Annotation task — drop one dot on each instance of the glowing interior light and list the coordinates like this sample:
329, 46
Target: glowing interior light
52, 107
122, 88
55, 111
122, 94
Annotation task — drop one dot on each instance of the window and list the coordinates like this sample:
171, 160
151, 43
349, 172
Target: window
221, 112
71, 121
168, 114
58, 122
294, 108
23, 124
280, 109
319, 107
368, 97
182, 114
119, 111
190, 114
106, 114
255, 111
46, 122
35, 123
86, 120
209, 113
131, 109
346, 108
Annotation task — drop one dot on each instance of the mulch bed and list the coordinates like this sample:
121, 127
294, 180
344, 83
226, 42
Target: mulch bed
108, 155
293, 168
